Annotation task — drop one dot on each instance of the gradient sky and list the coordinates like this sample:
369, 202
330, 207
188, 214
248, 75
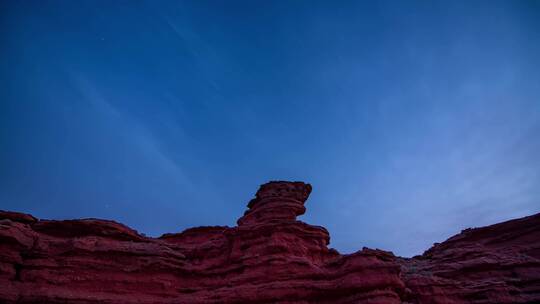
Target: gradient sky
412, 120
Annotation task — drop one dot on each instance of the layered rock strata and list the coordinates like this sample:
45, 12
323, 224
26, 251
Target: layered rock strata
270, 257
494, 264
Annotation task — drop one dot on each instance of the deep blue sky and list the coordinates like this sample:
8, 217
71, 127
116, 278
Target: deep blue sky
412, 120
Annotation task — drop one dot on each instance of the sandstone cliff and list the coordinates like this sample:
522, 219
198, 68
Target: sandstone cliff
270, 257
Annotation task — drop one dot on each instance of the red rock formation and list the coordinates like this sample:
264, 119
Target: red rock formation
270, 257
494, 264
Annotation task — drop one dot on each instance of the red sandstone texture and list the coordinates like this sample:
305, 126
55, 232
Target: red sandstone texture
270, 257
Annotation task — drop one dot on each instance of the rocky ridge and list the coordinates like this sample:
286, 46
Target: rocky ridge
270, 257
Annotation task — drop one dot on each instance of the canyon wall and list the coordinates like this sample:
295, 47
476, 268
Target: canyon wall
269, 257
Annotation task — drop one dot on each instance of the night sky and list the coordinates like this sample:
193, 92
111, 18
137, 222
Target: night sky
412, 120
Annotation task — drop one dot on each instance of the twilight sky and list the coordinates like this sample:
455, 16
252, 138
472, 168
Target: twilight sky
412, 120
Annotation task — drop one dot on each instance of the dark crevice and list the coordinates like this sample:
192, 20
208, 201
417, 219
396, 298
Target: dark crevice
18, 268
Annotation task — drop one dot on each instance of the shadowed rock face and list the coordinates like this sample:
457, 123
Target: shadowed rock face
270, 257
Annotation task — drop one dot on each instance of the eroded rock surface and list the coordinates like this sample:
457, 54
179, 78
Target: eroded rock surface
270, 257
494, 264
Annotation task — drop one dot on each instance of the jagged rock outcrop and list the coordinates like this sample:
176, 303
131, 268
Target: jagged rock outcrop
494, 264
270, 257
